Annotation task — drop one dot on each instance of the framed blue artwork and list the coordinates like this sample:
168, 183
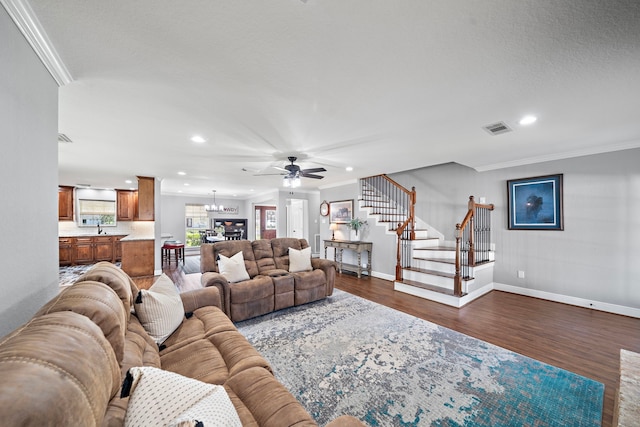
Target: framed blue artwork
535, 203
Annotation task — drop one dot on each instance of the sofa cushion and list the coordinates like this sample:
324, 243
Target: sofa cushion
299, 260
114, 277
98, 302
233, 268
160, 309
264, 255
209, 348
57, 370
229, 248
263, 401
159, 397
281, 247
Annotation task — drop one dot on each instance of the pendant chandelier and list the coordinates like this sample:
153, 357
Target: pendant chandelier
214, 207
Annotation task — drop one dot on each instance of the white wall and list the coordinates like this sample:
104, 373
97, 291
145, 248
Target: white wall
28, 179
172, 209
595, 258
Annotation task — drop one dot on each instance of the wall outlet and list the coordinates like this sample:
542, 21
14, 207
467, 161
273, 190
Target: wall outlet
520, 274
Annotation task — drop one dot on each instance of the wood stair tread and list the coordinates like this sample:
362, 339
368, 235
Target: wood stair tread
435, 273
428, 287
442, 260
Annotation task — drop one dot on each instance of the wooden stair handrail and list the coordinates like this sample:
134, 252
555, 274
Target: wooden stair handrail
468, 221
402, 226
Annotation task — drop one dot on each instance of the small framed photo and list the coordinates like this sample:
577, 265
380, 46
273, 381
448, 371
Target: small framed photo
341, 212
535, 203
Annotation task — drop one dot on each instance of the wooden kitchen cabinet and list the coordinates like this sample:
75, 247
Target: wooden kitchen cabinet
138, 257
66, 250
146, 188
117, 248
127, 205
83, 253
89, 249
103, 248
65, 203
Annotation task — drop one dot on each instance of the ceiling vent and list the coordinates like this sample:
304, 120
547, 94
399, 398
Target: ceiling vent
64, 138
497, 128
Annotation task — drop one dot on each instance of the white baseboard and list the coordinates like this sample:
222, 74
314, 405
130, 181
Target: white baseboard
384, 276
565, 299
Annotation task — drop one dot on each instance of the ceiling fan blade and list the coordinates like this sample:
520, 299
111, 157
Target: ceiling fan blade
314, 170
310, 175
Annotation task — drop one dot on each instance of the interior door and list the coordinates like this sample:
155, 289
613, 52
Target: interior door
265, 222
296, 218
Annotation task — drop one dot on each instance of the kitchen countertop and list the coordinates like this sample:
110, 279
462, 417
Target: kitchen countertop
133, 237
94, 234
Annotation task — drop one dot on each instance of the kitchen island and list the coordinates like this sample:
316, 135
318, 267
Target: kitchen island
138, 255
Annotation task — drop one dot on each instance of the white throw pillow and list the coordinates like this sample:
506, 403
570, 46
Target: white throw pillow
163, 398
300, 260
160, 309
233, 268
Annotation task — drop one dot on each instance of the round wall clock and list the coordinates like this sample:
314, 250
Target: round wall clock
324, 208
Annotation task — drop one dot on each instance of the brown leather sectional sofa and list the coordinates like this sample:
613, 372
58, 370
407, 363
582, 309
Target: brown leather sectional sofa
271, 286
65, 367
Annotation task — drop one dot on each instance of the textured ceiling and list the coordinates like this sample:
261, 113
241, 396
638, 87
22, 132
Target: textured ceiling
382, 86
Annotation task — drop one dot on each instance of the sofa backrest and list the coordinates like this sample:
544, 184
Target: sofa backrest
97, 302
281, 245
209, 255
115, 278
264, 255
57, 370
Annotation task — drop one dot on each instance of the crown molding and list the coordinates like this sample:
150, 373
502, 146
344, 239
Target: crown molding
625, 145
30, 27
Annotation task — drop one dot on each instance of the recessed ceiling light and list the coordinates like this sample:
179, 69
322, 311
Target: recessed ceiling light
128, 181
527, 120
182, 173
198, 139
186, 184
349, 168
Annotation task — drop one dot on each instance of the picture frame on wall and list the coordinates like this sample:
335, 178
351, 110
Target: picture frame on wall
535, 203
341, 211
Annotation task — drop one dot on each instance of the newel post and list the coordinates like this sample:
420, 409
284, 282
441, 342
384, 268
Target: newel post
472, 231
457, 281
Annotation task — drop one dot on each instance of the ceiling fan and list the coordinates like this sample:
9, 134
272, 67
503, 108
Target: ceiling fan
294, 171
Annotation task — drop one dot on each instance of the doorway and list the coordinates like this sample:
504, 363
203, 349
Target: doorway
266, 224
297, 218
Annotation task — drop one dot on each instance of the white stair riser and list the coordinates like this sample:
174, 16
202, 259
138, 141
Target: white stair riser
431, 279
434, 253
434, 265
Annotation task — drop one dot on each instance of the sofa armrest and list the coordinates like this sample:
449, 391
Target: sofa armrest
217, 280
193, 300
329, 267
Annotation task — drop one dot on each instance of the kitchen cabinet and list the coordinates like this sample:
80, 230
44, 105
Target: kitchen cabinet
103, 248
146, 187
65, 203
127, 205
83, 250
89, 249
138, 257
66, 250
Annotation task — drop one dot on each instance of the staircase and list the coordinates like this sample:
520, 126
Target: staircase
453, 273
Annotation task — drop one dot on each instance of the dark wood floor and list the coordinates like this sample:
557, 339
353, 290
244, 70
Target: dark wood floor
580, 340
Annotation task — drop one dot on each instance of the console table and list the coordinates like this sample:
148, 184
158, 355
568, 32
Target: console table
340, 245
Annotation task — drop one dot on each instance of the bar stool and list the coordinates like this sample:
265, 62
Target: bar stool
177, 247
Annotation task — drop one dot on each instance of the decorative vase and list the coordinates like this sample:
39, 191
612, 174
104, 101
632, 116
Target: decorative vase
355, 235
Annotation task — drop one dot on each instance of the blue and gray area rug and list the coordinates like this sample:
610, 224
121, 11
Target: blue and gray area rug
347, 355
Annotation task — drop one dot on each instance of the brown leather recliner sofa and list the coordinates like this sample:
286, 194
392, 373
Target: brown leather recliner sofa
270, 286
65, 366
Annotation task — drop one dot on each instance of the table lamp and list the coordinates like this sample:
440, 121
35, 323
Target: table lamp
333, 227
